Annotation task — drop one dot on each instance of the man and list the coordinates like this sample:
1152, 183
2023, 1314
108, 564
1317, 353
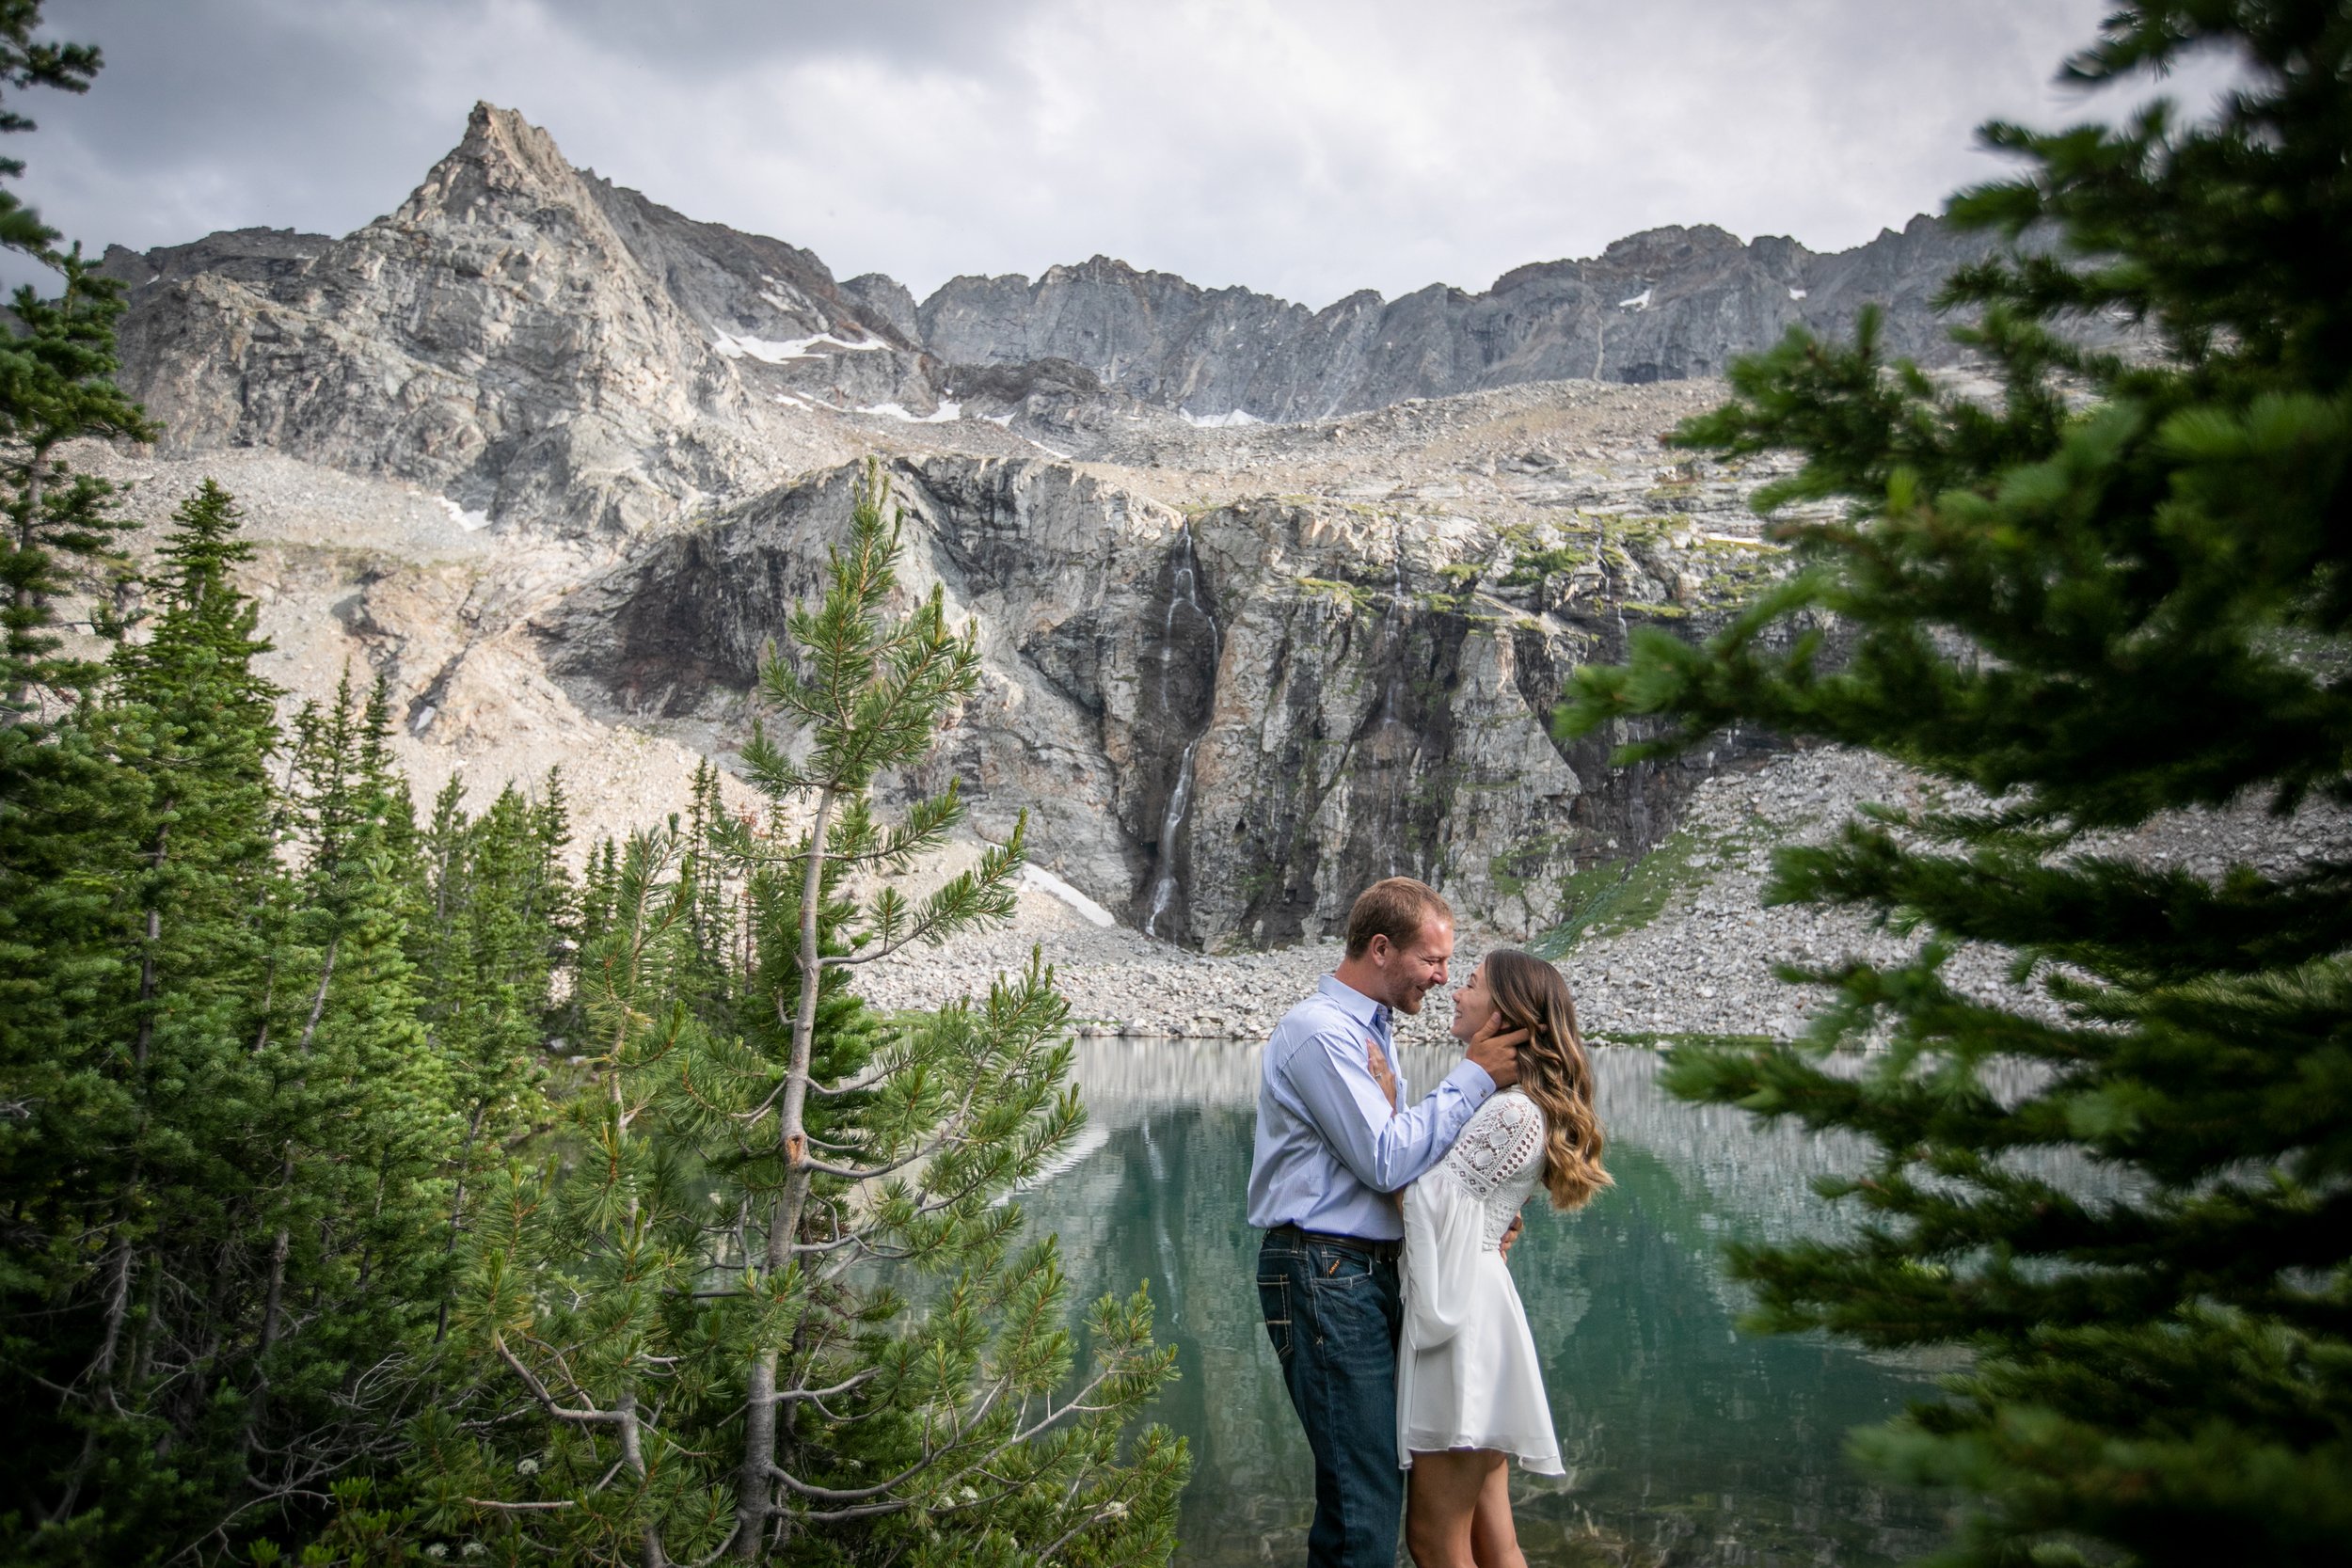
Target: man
1335, 1145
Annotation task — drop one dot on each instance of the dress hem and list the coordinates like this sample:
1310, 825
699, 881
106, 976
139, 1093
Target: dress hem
1540, 1463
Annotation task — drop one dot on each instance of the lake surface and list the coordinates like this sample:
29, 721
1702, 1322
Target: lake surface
1686, 1441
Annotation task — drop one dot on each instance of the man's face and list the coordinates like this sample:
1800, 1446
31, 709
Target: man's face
1417, 968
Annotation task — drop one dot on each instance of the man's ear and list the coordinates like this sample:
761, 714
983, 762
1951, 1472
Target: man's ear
1378, 949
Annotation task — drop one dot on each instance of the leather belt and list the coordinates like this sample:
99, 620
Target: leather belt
1387, 1251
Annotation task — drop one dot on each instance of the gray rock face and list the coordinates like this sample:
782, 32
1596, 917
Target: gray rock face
1660, 306
255, 256
535, 343
544, 347
882, 295
1222, 725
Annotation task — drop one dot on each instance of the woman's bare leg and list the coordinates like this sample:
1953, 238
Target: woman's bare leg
1442, 1494
1494, 1540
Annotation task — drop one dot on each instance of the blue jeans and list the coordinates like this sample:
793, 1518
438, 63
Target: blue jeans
1334, 1314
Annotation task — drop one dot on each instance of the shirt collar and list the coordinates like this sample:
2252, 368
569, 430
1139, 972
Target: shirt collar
1355, 1004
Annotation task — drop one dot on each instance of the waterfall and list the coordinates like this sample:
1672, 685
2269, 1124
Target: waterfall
1179, 797
1183, 590
1184, 594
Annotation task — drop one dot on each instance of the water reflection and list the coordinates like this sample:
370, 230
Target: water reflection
1686, 1442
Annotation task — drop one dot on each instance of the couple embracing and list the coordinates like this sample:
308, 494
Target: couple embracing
1387, 1222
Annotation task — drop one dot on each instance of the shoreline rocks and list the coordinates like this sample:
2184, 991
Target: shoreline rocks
1700, 964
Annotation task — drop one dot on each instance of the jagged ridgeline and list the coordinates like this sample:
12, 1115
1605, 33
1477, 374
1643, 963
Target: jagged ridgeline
549, 347
1226, 708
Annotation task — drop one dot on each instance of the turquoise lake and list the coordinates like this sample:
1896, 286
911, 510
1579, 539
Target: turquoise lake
1687, 1442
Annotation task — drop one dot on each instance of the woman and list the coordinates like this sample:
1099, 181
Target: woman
1470, 1393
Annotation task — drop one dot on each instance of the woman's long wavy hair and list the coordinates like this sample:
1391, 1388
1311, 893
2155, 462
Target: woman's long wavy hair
1555, 1071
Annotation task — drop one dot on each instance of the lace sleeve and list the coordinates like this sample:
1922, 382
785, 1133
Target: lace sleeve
1507, 1132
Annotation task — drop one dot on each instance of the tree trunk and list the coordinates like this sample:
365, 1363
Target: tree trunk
154, 934
318, 1002
102, 1372
281, 1245
755, 1491
125, 1259
632, 1452
274, 1299
457, 1208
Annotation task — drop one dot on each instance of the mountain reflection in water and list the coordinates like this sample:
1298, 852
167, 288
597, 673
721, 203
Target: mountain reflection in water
1686, 1442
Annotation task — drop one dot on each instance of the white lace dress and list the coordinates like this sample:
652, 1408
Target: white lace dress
1467, 1377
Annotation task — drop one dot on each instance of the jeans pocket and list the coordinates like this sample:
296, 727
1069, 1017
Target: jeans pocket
1274, 1303
1333, 1267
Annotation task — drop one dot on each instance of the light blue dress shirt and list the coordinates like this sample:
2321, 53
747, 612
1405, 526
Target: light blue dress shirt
1329, 1149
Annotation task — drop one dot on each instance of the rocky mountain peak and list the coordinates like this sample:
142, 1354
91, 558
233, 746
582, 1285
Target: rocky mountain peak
502, 156
538, 345
1672, 245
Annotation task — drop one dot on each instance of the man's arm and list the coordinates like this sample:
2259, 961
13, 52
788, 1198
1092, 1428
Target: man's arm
1332, 1077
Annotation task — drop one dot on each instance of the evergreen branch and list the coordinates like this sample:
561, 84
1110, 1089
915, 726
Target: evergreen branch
719, 1550
965, 1422
954, 1136
539, 1391
860, 1498
849, 1384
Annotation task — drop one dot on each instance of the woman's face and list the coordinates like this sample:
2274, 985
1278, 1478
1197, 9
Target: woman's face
1472, 1006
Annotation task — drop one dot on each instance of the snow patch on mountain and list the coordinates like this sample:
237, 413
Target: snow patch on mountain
1035, 875
771, 351
945, 413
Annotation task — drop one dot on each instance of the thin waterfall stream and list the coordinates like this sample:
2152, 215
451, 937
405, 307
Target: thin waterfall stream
1184, 596
1164, 886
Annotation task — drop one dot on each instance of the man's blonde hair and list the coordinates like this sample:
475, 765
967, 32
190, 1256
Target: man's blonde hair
1395, 908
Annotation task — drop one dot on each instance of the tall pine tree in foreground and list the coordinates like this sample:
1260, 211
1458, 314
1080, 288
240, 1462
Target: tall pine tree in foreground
2083, 619
226, 1161
768, 1300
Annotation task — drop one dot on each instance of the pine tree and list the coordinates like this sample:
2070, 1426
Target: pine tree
226, 1180
56, 386
2075, 620
141, 1132
63, 802
502, 904
29, 62
140, 1088
711, 1305
57, 361
361, 1120
714, 906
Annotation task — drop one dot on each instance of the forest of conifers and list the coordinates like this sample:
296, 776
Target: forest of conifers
378, 1188
380, 1185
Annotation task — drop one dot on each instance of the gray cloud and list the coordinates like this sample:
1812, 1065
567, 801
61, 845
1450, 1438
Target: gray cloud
1305, 146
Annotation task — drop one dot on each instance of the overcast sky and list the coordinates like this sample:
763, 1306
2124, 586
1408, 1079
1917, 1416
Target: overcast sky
1308, 148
